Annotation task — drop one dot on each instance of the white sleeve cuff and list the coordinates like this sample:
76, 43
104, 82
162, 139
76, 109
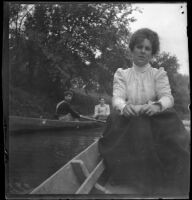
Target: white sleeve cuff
121, 111
119, 104
166, 102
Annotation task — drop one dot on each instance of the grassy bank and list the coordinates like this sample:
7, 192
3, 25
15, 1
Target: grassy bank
23, 103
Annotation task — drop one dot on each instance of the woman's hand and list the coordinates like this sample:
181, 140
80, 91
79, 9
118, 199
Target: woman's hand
150, 109
129, 110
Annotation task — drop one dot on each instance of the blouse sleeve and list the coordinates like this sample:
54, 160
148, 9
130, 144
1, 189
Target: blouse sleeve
119, 90
96, 111
163, 89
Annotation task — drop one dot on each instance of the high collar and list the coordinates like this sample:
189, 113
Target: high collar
141, 69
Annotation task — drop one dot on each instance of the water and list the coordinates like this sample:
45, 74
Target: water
35, 156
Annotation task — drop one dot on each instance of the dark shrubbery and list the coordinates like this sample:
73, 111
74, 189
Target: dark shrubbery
23, 103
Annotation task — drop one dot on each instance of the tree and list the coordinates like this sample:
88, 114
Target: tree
60, 39
170, 64
179, 83
17, 15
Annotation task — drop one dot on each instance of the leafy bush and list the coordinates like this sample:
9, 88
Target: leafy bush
23, 103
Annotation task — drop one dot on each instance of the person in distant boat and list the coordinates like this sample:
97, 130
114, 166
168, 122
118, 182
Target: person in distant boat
64, 110
102, 110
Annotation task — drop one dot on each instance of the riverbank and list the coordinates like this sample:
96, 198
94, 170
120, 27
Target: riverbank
28, 104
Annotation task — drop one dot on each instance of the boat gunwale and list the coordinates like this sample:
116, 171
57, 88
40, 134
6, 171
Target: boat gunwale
62, 168
52, 120
17, 123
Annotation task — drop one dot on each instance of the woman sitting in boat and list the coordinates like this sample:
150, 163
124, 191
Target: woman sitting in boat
102, 110
145, 144
64, 110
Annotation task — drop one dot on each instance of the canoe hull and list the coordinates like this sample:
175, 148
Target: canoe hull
17, 123
65, 181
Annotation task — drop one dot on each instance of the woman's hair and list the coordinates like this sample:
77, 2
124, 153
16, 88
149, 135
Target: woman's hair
145, 33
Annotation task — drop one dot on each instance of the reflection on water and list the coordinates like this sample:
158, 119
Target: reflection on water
35, 156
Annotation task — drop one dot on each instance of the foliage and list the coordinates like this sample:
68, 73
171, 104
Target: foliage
58, 40
179, 83
53, 47
23, 103
182, 94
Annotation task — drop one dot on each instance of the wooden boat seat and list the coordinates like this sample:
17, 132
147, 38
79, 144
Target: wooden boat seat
85, 174
88, 180
78, 176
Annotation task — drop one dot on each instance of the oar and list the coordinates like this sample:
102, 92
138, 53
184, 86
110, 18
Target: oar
92, 119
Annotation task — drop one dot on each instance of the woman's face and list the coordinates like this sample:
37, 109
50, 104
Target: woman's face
102, 101
142, 53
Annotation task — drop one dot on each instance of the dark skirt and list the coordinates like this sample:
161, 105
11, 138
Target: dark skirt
149, 151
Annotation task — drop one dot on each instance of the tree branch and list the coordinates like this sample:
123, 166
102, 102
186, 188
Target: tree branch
24, 17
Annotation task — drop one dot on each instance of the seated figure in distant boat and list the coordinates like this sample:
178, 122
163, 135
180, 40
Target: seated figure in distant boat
64, 110
102, 110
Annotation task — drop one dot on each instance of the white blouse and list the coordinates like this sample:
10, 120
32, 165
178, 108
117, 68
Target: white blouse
141, 85
102, 110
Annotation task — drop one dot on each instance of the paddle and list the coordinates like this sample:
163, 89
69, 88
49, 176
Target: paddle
92, 119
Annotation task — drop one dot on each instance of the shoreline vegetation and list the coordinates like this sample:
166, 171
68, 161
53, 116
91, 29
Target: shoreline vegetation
55, 47
36, 105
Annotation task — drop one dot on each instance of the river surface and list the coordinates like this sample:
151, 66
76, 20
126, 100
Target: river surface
34, 156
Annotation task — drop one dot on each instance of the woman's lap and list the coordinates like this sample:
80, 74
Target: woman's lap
139, 146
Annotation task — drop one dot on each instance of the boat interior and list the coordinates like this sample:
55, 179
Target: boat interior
86, 174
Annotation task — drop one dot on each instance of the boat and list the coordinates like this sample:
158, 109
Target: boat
85, 174
17, 123
78, 176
